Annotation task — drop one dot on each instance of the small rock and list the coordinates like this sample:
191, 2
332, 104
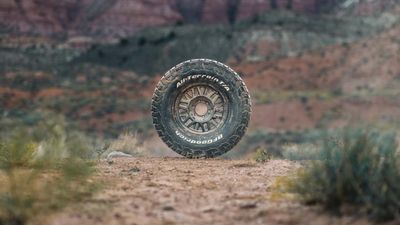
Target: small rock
168, 208
132, 170
207, 209
248, 205
117, 154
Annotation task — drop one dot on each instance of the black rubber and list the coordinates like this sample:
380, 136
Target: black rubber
226, 83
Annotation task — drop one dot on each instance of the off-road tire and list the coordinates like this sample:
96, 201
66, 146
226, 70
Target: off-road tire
201, 108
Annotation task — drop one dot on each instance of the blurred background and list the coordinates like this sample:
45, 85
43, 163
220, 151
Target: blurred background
311, 65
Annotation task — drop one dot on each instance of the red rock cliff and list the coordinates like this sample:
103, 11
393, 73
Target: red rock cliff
122, 17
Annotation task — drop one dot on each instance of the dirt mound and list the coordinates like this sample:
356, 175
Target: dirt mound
180, 191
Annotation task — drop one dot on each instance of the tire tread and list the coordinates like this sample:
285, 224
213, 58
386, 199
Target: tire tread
228, 142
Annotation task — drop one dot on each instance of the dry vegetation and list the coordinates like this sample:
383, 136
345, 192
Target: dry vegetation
47, 167
357, 170
41, 170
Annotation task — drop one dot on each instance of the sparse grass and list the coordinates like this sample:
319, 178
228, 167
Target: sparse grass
41, 170
127, 143
281, 188
144, 127
301, 152
359, 168
272, 142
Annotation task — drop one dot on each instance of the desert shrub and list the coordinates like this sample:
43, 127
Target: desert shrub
41, 170
359, 168
261, 155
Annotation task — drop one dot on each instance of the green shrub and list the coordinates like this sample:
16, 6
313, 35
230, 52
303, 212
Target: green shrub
41, 170
261, 155
359, 168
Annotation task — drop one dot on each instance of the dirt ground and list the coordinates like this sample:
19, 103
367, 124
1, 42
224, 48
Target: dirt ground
153, 191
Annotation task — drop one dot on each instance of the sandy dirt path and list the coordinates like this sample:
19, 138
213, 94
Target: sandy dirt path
153, 191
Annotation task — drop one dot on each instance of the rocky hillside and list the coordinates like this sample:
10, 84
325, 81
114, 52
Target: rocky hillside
332, 70
328, 70
118, 18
